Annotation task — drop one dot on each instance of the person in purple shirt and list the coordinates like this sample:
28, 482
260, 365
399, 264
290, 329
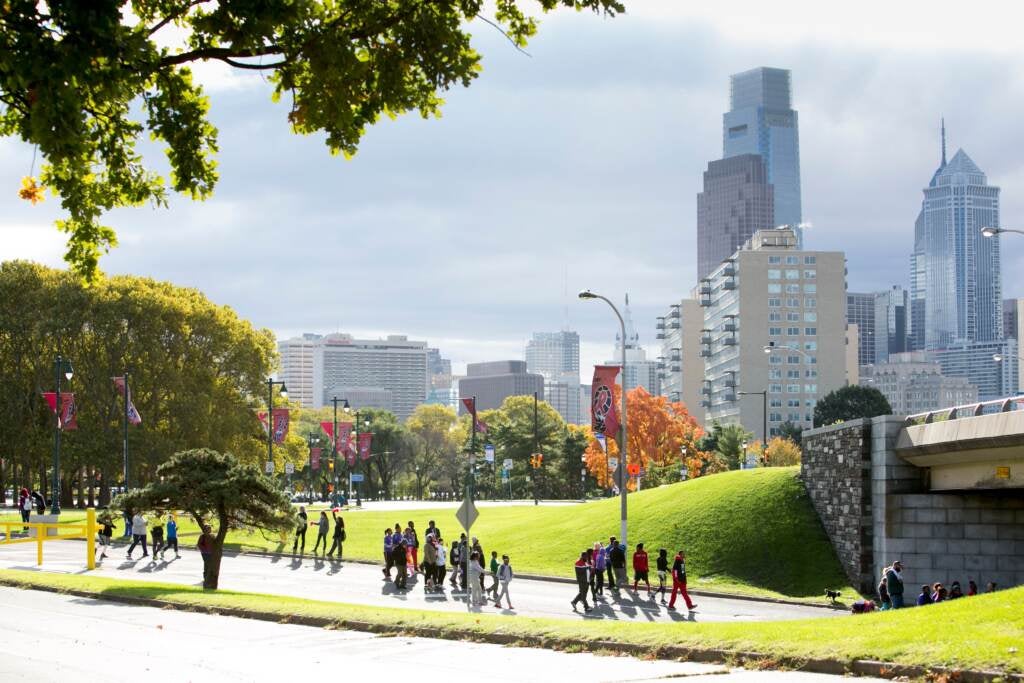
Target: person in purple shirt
387, 554
600, 562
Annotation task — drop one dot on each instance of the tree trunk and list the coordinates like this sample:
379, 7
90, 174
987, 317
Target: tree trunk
211, 566
43, 481
91, 490
104, 489
3, 483
66, 498
81, 488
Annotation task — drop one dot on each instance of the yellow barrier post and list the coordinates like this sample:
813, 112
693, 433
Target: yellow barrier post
90, 538
40, 531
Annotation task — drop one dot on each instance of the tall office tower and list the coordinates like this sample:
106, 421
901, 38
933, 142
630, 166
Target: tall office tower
388, 373
439, 378
761, 121
772, 294
680, 364
640, 372
495, 381
556, 357
992, 366
860, 311
736, 203
913, 384
1013, 327
955, 269
297, 361
892, 319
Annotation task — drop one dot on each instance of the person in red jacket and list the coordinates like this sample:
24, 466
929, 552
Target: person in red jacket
679, 582
640, 569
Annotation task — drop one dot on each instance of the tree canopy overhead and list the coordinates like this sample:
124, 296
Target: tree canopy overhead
83, 81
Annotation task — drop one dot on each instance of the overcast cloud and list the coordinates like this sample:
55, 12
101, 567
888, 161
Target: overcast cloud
576, 167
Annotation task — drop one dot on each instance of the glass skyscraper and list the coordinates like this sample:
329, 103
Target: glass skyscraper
761, 121
955, 270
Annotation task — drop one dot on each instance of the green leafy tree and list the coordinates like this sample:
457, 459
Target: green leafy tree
511, 430
729, 444
439, 434
850, 403
85, 81
788, 430
214, 489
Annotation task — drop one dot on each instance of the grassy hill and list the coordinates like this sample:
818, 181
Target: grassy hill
751, 531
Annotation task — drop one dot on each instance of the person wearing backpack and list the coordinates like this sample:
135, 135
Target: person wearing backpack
339, 535
662, 572
157, 531
25, 506
679, 582
504, 577
454, 556
398, 553
105, 534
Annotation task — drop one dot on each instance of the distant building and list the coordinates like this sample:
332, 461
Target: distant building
298, 359
393, 365
556, 357
852, 363
882, 320
680, 364
993, 366
761, 121
772, 294
913, 384
735, 203
640, 371
495, 381
860, 311
955, 270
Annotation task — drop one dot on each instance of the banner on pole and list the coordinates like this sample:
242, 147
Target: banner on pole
604, 418
68, 418
328, 428
479, 426
365, 439
343, 441
314, 457
133, 414
280, 418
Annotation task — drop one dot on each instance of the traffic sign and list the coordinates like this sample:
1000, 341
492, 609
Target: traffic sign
489, 452
269, 467
601, 440
507, 465
467, 514
289, 468
357, 478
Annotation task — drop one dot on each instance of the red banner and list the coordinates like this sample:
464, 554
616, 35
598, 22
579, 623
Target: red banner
365, 439
344, 443
314, 457
328, 428
68, 419
604, 418
478, 425
133, 414
281, 419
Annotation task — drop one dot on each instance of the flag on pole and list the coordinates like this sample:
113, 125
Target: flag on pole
344, 441
280, 418
478, 425
365, 439
604, 418
68, 418
314, 457
133, 414
328, 428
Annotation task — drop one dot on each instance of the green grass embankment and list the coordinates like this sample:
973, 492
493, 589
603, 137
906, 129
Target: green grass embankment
752, 532
980, 633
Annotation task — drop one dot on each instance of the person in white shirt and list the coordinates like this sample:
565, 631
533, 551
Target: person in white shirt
476, 590
504, 576
442, 557
138, 535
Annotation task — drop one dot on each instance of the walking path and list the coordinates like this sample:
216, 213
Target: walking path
364, 584
50, 637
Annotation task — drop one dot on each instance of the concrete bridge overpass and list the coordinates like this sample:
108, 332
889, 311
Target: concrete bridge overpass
941, 491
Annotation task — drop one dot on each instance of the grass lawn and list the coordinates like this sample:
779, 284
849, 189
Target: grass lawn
983, 632
753, 532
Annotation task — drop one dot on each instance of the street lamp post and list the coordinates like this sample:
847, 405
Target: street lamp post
536, 449
127, 394
61, 367
623, 525
991, 231
684, 472
355, 430
270, 414
311, 440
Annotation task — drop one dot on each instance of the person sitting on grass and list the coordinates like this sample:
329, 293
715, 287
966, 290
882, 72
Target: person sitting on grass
955, 591
925, 598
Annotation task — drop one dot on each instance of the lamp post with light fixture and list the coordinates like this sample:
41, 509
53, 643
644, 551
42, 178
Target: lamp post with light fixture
61, 368
271, 383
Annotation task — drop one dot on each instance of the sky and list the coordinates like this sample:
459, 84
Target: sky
574, 167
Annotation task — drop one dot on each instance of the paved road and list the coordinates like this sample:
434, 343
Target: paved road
49, 637
363, 584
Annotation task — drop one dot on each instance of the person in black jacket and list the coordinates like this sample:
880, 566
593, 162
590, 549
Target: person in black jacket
609, 550
582, 568
339, 535
398, 558
618, 563
301, 522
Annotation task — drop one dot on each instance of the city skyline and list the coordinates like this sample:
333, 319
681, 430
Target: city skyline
574, 182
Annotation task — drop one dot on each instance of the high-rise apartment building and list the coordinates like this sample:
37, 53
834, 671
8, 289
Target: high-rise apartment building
771, 294
955, 270
494, 381
735, 203
761, 121
391, 370
680, 364
298, 358
556, 357
913, 384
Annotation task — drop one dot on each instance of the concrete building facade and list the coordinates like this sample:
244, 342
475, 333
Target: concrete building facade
913, 384
993, 367
772, 294
556, 357
493, 382
680, 364
298, 362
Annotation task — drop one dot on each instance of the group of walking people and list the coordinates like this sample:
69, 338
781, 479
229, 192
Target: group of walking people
401, 553
595, 562
323, 529
138, 527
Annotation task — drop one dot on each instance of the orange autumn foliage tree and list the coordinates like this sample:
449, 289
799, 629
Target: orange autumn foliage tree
657, 430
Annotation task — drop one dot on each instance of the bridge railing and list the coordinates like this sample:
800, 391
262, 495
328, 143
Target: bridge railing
999, 405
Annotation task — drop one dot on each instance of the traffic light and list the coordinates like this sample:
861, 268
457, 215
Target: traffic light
330, 465
536, 460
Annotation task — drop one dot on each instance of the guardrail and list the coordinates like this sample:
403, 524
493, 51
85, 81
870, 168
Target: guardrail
86, 530
999, 405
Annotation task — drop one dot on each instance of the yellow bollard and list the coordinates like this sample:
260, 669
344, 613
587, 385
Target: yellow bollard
40, 530
90, 538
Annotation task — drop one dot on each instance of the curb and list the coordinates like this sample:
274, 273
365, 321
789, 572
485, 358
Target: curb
858, 667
